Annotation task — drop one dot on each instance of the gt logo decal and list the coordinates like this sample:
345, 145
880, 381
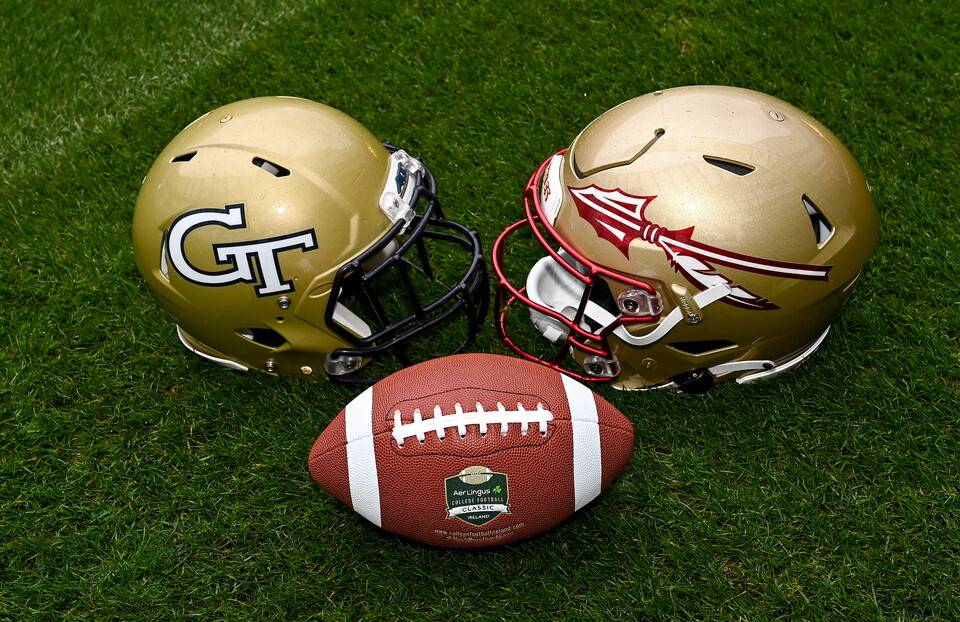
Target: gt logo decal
240, 257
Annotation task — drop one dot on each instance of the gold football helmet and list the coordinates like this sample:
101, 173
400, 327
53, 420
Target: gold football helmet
282, 236
694, 234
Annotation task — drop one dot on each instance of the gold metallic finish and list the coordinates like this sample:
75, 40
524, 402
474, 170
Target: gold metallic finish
758, 214
337, 172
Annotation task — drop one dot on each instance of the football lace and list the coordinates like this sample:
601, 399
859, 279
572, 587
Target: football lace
460, 419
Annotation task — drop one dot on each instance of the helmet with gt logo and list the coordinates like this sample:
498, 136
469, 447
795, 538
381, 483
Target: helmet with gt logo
281, 235
694, 234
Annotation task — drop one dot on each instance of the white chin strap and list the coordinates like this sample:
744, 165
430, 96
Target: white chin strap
216, 359
552, 286
768, 368
777, 369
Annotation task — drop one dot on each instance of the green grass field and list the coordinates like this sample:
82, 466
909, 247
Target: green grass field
138, 482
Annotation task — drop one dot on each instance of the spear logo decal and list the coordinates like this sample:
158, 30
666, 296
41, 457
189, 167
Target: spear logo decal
618, 217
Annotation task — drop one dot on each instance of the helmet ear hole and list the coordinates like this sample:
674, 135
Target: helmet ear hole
266, 337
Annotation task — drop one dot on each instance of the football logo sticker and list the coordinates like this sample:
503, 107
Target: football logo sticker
618, 217
238, 257
477, 495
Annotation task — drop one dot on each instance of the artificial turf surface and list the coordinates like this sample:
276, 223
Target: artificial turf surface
137, 481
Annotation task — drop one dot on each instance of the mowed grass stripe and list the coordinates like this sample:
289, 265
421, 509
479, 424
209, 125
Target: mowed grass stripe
72, 73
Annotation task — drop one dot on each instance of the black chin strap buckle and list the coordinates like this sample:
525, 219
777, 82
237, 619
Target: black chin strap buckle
695, 381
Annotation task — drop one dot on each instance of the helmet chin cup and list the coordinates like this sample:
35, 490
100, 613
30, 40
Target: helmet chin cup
550, 285
552, 329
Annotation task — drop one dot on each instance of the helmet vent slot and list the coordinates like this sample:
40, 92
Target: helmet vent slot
822, 229
737, 168
184, 157
274, 169
266, 337
699, 348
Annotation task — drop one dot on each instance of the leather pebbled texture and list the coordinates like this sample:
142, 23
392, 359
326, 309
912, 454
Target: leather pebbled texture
538, 470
